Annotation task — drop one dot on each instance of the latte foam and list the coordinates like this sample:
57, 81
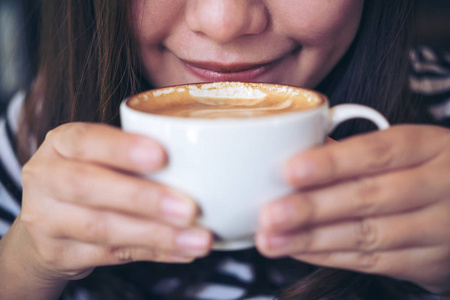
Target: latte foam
225, 100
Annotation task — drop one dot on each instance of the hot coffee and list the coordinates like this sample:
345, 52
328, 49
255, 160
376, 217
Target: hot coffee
225, 100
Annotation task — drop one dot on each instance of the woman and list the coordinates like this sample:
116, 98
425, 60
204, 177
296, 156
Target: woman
377, 203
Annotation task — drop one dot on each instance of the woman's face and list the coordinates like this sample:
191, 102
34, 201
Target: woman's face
294, 42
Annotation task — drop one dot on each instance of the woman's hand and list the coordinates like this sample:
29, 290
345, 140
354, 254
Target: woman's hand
376, 203
86, 205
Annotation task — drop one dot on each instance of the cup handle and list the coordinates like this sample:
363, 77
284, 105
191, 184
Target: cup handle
344, 112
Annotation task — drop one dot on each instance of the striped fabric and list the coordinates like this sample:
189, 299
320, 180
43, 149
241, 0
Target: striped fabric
430, 77
10, 170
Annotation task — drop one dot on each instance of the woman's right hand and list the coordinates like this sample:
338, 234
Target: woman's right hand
85, 204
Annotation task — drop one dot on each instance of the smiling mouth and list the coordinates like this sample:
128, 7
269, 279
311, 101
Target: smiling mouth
213, 71
227, 68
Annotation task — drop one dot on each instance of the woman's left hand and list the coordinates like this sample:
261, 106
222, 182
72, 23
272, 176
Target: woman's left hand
375, 203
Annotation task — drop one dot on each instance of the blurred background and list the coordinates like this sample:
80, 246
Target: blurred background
18, 31
433, 23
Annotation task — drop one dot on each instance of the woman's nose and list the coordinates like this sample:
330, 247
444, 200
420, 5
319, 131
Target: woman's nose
226, 20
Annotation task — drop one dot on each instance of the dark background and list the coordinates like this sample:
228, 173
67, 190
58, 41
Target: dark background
433, 23
18, 32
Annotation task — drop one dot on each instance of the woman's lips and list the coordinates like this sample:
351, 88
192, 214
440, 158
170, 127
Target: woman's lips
211, 71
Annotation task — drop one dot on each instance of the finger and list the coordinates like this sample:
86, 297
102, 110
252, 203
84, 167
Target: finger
397, 147
421, 228
107, 145
394, 192
95, 186
116, 230
99, 255
401, 264
91, 256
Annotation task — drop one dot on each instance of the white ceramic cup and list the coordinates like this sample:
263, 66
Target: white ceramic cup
232, 167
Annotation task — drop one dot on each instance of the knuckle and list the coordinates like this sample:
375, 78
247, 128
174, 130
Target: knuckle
366, 235
61, 131
29, 173
309, 241
29, 218
380, 151
367, 192
309, 210
50, 135
78, 132
33, 217
132, 254
95, 230
331, 165
75, 137
368, 261
54, 256
123, 254
75, 128
79, 182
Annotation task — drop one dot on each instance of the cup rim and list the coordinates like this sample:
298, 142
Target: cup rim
285, 116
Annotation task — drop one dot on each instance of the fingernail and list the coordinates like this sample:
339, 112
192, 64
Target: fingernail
271, 242
277, 215
146, 156
172, 206
295, 173
277, 241
194, 240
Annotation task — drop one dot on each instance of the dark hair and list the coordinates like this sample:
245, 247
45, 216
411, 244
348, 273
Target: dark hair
88, 64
